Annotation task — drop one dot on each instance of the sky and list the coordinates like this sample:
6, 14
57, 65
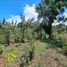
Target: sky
11, 9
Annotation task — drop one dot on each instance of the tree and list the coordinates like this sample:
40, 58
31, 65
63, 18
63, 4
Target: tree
48, 10
22, 27
7, 37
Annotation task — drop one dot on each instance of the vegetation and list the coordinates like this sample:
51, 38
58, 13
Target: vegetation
48, 10
1, 49
36, 43
28, 56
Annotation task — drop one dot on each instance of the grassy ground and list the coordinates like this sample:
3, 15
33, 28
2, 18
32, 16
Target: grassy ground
43, 57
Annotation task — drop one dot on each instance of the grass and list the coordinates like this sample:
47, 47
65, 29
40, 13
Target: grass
40, 52
40, 48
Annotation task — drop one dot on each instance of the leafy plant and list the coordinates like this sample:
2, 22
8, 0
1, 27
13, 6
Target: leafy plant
28, 56
65, 48
24, 60
10, 56
1, 49
31, 51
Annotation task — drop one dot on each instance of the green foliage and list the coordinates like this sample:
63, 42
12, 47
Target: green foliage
31, 51
26, 31
48, 10
1, 49
65, 48
24, 60
28, 56
10, 56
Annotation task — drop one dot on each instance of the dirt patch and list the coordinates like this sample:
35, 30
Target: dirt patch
53, 59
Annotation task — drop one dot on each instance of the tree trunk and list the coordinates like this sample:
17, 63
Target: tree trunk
50, 30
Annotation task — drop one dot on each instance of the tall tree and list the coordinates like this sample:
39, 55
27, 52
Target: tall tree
48, 10
22, 27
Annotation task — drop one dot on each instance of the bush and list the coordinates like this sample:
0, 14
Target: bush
28, 56
31, 51
65, 48
1, 49
24, 60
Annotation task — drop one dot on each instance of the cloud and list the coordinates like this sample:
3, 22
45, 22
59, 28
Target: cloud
14, 19
30, 12
65, 14
56, 22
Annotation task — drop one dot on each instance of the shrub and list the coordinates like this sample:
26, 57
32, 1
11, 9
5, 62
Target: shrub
24, 60
31, 51
10, 56
1, 49
65, 48
28, 56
